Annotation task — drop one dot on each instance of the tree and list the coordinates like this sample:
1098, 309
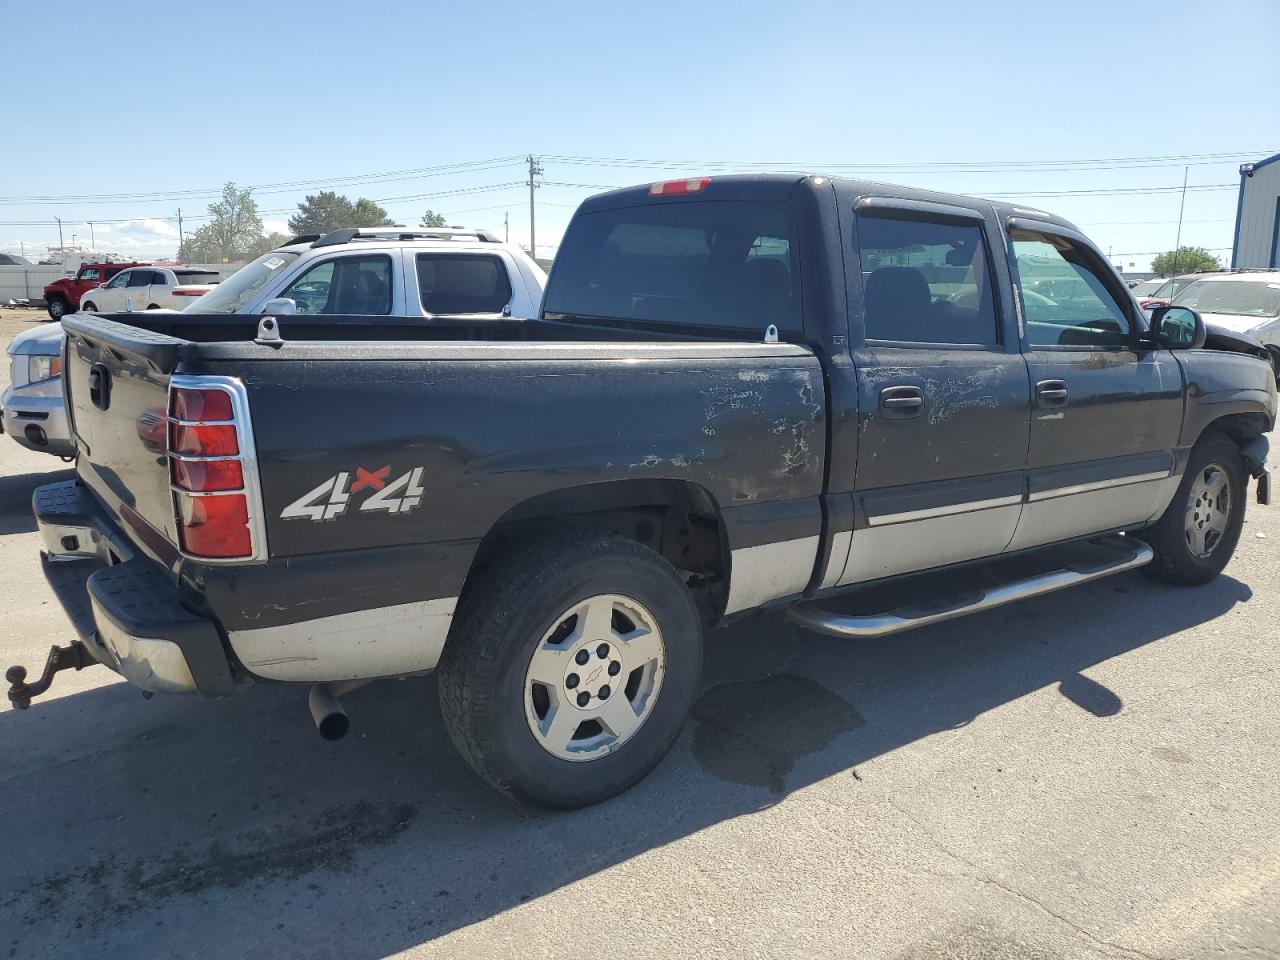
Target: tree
232, 231
432, 219
1185, 260
326, 210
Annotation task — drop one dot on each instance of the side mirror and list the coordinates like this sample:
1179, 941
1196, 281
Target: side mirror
1176, 328
280, 306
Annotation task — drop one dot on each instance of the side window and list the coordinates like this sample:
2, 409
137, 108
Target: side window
1065, 300
348, 285
139, 278
119, 280
456, 283
89, 273
926, 281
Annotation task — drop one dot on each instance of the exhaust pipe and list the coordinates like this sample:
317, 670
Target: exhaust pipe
330, 717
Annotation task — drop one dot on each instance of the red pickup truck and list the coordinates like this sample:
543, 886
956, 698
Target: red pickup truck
63, 295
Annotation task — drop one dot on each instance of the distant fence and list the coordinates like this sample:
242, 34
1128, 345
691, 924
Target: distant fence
28, 283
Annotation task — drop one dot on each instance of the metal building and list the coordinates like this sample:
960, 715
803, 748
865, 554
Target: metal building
1257, 239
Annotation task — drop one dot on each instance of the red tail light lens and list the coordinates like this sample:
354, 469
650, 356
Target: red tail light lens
199, 404
674, 188
188, 293
202, 475
216, 527
203, 441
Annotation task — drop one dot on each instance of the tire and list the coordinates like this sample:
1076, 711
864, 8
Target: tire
153, 306
1192, 514
57, 308
522, 619
89, 307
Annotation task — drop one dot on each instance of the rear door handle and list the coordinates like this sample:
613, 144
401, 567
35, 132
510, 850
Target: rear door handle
899, 403
1052, 393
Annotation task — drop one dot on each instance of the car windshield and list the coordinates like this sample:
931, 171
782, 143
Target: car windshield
1147, 288
239, 288
1242, 298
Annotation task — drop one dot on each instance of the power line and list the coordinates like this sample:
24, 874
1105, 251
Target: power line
473, 166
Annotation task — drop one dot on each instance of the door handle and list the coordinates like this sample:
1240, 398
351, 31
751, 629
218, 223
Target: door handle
898, 403
1052, 393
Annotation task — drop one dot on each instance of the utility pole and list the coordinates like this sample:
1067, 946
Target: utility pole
506, 227
93, 243
1177, 245
535, 171
179, 233
59, 219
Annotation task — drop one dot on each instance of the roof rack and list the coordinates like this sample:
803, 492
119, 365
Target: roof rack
305, 238
347, 234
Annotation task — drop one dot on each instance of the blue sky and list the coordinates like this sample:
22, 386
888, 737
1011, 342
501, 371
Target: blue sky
286, 93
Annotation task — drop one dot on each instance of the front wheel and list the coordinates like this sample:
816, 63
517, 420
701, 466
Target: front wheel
89, 307
1198, 532
57, 308
571, 669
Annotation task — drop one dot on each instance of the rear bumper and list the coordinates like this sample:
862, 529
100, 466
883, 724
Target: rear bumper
38, 423
123, 605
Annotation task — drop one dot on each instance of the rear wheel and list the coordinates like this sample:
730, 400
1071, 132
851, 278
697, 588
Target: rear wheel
57, 308
1196, 536
571, 669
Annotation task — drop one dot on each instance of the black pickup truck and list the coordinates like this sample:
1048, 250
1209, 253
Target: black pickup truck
741, 393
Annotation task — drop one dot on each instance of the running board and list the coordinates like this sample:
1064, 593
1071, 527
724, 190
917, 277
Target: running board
1134, 553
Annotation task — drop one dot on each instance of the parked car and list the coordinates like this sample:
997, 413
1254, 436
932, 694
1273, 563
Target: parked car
387, 271
62, 296
1146, 288
1247, 303
1168, 290
150, 288
431, 275
14, 260
31, 409
741, 392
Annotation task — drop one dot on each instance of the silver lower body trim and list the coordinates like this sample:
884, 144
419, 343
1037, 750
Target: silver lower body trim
361, 645
768, 571
1098, 485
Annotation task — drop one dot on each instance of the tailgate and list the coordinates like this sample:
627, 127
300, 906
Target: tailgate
116, 381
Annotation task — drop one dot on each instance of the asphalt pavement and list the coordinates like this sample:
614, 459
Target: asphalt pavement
1095, 773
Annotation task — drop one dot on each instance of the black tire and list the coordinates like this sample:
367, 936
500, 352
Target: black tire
90, 307
153, 306
1175, 560
502, 620
57, 308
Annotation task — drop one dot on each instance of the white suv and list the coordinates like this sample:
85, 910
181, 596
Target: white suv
149, 288
386, 271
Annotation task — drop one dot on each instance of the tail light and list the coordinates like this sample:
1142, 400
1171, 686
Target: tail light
674, 188
211, 470
179, 292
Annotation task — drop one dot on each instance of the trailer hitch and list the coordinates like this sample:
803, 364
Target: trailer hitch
74, 657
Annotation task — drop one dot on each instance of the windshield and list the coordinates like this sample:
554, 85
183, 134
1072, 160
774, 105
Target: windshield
239, 288
1147, 288
1239, 297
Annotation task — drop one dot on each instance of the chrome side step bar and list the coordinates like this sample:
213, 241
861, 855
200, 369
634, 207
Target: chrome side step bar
1134, 553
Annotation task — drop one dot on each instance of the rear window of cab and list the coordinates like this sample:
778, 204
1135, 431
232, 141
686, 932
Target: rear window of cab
716, 263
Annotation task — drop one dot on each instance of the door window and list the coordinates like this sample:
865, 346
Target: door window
139, 278
452, 283
119, 280
88, 273
1065, 299
350, 285
926, 281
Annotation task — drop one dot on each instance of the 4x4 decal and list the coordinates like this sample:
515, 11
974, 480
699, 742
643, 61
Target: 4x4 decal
331, 499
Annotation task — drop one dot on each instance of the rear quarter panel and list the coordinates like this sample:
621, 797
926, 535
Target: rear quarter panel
489, 434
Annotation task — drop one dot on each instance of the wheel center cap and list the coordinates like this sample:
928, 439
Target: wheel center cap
592, 675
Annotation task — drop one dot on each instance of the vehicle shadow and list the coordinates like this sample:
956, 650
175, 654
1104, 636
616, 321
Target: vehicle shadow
15, 499
147, 827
